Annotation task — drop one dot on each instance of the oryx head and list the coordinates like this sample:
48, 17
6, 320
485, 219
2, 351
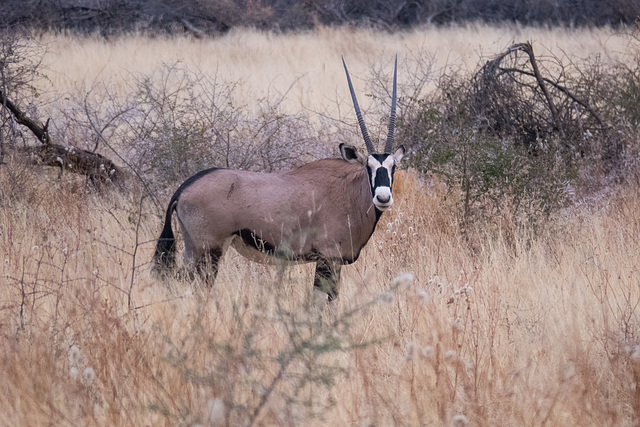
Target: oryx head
380, 166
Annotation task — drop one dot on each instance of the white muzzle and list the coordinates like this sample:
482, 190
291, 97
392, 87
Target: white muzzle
383, 199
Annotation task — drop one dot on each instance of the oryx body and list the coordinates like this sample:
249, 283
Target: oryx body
323, 212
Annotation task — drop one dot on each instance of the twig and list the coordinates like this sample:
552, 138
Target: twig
263, 400
566, 91
21, 118
135, 251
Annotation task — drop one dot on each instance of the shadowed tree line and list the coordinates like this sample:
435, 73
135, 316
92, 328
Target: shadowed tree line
202, 17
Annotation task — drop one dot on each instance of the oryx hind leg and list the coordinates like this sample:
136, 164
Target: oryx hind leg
203, 264
207, 265
327, 278
201, 261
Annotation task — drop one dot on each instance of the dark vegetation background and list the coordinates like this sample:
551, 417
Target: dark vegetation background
211, 17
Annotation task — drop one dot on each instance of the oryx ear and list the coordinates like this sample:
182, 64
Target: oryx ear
351, 154
399, 154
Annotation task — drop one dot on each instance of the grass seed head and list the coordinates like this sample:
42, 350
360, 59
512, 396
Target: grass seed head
214, 415
386, 298
423, 297
459, 421
88, 375
74, 356
402, 281
428, 352
73, 373
450, 356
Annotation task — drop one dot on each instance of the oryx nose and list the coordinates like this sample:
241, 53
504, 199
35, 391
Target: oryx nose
383, 198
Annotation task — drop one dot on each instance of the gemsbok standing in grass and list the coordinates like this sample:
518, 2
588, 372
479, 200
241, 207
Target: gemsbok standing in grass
322, 212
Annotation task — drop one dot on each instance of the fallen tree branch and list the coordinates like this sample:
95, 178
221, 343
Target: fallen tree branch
21, 118
98, 168
603, 125
528, 49
95, 166
496, 82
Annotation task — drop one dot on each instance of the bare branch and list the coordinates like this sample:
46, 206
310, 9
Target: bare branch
603, 125
96, 167
21, 118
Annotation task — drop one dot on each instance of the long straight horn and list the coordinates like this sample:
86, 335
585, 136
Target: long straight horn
363, 128
392, 120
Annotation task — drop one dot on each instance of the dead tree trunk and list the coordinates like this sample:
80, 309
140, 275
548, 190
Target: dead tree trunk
528, 49
96, 167
514, 98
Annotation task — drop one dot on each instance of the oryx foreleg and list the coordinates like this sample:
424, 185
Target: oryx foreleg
327, 276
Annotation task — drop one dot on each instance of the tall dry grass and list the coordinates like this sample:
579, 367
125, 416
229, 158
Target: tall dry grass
510, 329
543, 333
305, 65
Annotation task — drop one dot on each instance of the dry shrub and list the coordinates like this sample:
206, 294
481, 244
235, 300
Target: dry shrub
177, 122
525, 135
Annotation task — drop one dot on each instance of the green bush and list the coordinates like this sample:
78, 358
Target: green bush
493, 177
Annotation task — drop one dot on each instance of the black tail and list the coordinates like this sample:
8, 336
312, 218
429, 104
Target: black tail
165, 255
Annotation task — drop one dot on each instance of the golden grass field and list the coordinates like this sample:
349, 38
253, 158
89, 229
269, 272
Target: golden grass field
268, 64
514, 330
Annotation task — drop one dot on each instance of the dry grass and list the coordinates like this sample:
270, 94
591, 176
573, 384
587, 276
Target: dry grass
547, 335
540, 331
268, 64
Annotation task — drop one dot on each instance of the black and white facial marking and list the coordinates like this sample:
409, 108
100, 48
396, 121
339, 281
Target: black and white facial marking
381, 168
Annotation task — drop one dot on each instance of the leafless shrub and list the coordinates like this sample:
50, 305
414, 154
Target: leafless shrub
20, 64
542, 102
526, 134
189, 122
178, 122
515, 139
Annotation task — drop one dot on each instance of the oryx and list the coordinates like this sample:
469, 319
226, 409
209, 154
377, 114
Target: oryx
322, 212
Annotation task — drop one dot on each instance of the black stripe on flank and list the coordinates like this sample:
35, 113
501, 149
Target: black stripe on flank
250, 239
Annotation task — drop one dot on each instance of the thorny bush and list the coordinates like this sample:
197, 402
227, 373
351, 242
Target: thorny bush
179, 121
516, 142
